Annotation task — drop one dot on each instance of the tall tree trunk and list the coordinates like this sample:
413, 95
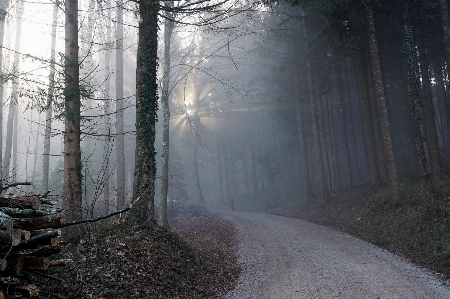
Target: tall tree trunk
120, 138
380, 94
4, 4
143, 211
369, 129
48, 114
309, 194
445, 20
72, 151
428, 101
343, 109
415, 90
196, 135
168, 28
11, 132
332, 148
107, 124
254, 175
352, 127
324, 194
219, 172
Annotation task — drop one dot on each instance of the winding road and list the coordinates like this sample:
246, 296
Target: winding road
290, 258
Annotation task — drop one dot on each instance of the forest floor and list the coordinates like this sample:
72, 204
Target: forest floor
118, 261
403, 228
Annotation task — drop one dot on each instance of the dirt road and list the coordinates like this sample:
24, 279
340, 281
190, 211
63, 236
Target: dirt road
289, 258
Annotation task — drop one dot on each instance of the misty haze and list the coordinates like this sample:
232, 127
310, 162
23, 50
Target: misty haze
225, 149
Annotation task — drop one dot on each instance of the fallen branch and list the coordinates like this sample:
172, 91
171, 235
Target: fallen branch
98, 218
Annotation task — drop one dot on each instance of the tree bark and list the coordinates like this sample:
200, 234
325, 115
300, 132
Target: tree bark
4, 4
120, 138
146, 108
309, 194
11, 132
72, 151
168, 28
343, 110
428, 101
380, 94
324, 194
445, 20
369, 129
106, 109
415, 96
48, 115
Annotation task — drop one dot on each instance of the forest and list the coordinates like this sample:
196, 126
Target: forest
324, 110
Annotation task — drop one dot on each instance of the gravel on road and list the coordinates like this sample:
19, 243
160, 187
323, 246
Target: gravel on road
290, 258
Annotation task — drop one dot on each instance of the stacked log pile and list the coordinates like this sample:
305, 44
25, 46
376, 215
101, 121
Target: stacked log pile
28, 236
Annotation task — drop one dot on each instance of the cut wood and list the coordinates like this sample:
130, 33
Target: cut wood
3, 264
4, 187
30, 290
48, 221
60, 262
29, 202
5, 221
16, 237
6, 235
28, 213
15, 264
2, 295
25, 234
39, 239
36, 263
39, 232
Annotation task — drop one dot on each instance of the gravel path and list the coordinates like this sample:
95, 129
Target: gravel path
290, 258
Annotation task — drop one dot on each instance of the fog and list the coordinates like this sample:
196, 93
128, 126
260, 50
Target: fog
243, 131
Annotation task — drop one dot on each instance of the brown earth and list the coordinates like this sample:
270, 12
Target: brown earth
197, 260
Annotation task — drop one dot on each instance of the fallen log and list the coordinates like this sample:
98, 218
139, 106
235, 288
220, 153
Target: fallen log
5, 187
55, 220
60, 262
3, 264
5, 221
36, 263
15, 264
28, 290
25, 234
26, 202
28, 213
39, 239
10, 237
